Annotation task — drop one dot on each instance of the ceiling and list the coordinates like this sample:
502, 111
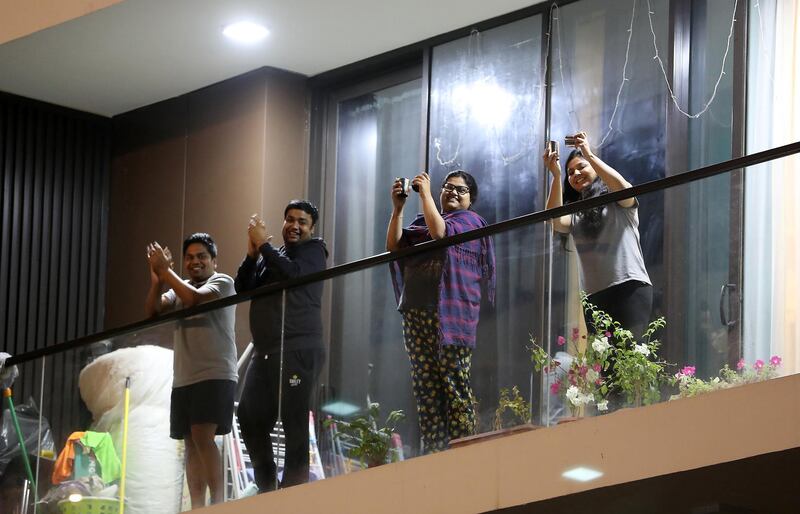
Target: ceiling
139, 52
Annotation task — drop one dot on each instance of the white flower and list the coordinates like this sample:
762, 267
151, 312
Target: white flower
572, 395
642, 348
603, 405
577, 398
601, 344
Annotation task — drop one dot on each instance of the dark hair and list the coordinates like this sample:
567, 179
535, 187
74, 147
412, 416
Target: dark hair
306, 206
470, 181
590, 219
569, 194
205, 240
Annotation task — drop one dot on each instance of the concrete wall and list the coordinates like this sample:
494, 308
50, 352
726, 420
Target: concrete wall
629, 445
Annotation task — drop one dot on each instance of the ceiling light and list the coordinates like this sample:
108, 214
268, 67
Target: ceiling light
246, 32
582, 474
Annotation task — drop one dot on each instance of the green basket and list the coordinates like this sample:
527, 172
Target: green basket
90, 505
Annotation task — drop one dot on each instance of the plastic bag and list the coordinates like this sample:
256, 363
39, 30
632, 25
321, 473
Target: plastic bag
28, 417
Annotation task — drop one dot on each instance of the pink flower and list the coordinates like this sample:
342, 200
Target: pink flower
599, 381
688, 371
555, 386
740, 365
608, 334
775, 361
583, 370
546, 369
597, 368
758, 365
575, 333
561, 341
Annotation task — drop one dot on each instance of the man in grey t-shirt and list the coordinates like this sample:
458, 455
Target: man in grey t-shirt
204, 366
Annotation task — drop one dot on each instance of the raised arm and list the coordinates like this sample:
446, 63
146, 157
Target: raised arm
611, 177
247, 276
154, 303
554, 197
433, 219
395, 230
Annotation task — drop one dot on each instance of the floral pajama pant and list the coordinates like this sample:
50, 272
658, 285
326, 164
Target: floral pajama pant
440, 375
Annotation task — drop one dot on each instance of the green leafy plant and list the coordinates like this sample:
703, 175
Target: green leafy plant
372, 444
690, 385
589, 378
511, 405
637, 372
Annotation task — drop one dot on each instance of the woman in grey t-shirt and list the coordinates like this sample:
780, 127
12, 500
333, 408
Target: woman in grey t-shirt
612, 270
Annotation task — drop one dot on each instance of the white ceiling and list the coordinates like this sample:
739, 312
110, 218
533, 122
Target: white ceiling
139, 52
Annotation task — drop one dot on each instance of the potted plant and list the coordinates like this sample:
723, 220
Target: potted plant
372, 445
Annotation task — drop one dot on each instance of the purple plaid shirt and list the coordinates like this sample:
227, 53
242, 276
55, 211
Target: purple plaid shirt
468, 269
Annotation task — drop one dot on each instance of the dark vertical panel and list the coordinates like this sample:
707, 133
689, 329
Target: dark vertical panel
5, 228
16, 199
55, 230
54, 166
27, 160
64, 236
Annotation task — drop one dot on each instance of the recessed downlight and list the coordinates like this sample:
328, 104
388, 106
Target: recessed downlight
245, 32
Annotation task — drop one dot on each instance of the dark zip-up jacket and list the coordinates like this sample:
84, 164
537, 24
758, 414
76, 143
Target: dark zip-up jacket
303, 323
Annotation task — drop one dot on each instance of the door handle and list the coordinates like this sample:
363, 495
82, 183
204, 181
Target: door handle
724, 294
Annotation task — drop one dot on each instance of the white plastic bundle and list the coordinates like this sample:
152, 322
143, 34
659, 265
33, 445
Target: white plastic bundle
154, 477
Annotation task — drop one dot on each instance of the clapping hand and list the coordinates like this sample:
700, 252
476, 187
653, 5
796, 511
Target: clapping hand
256, 235
160, 260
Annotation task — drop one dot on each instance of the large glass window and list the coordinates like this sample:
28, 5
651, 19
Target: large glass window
377, 139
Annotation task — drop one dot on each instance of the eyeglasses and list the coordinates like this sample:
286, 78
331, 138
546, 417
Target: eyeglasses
461, 190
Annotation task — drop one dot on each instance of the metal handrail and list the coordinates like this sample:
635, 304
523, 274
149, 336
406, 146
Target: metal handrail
386, 257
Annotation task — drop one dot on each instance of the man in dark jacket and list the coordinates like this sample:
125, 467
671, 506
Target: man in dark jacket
303, 349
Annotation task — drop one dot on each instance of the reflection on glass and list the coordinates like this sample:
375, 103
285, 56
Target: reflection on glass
378, 141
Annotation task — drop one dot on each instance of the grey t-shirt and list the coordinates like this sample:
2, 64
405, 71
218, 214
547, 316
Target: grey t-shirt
205, 345
609, 252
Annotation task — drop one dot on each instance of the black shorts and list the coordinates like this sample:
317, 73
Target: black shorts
209, 401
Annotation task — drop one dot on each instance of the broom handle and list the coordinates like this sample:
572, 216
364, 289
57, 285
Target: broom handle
124, 445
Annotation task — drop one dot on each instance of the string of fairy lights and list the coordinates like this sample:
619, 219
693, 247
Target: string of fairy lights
474, 57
